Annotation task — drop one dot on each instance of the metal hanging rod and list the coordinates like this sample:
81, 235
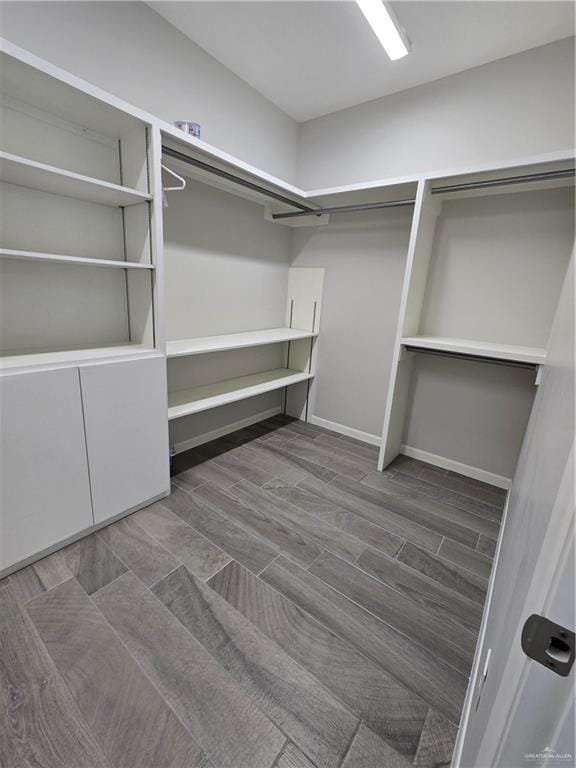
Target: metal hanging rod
544, 176
475, 358
235, 179
345, 209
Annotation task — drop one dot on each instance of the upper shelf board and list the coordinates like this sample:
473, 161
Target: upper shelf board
54, 258
204, 398
534, 355
47, 178
207, 344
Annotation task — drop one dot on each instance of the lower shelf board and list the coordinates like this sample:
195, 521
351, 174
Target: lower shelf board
197, 399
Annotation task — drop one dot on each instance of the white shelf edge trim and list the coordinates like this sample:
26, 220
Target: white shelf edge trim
6, 253
73, 356
536, 355
198, 399
206, 344
48, 178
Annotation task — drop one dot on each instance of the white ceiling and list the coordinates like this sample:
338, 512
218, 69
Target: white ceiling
311, 58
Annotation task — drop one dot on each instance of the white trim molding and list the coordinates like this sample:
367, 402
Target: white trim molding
455, 466
342, 429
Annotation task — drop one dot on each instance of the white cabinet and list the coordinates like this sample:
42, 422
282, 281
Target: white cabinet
126, 433
45, 491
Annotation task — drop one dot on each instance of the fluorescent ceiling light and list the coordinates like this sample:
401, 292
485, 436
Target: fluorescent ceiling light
385, 27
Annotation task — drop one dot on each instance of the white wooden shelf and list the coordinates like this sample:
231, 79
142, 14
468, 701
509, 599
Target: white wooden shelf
47, 178
197, 399
6, 253
73, 356
206, 344
535, 355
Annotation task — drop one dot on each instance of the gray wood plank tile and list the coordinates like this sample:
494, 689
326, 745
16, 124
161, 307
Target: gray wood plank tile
39, 577
464, 525
439, 684
337, 516
436, 743
350, 495
188, 546
132, 722
278, 530
315, 530
370, 751
204, 471
92, 563
372, 694
279, 447
432, 596
136, 549
450, 575
451, 498
228, 726
251, 551
292, 698
337, 461
236, 461
291, 424
350, 445
41, 723
486, 546
291, 757
275, 465
441, 636
472, 561
466, 486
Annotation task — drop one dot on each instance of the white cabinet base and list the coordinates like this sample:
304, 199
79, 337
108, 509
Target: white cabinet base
45, 491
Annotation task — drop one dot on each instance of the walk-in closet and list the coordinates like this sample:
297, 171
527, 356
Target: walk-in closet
287, 384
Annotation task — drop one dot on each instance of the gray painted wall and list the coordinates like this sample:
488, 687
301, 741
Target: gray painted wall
364, 256
127, 49
511, 108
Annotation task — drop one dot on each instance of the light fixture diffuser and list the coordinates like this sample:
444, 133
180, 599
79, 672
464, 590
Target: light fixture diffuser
385, 27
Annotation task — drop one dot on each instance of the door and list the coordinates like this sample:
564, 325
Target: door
44, 488
126, 419
515, 707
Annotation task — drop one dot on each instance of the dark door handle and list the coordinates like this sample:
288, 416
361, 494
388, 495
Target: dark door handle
549, 644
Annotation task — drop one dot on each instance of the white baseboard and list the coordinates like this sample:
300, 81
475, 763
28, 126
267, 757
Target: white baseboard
206, 437
365, 437
455, 466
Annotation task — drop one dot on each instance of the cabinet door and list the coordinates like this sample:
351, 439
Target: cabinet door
125, 414
45, 492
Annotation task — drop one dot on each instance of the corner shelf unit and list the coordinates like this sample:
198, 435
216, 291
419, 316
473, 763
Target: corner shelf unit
78, 183
487, 255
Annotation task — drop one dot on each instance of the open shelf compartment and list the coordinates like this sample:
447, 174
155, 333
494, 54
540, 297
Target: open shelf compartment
197, 399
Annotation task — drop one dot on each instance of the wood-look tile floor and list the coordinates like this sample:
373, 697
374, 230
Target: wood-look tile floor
288, 606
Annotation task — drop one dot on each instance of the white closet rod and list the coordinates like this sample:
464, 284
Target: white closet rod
477, 358
232, 177
544, 176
